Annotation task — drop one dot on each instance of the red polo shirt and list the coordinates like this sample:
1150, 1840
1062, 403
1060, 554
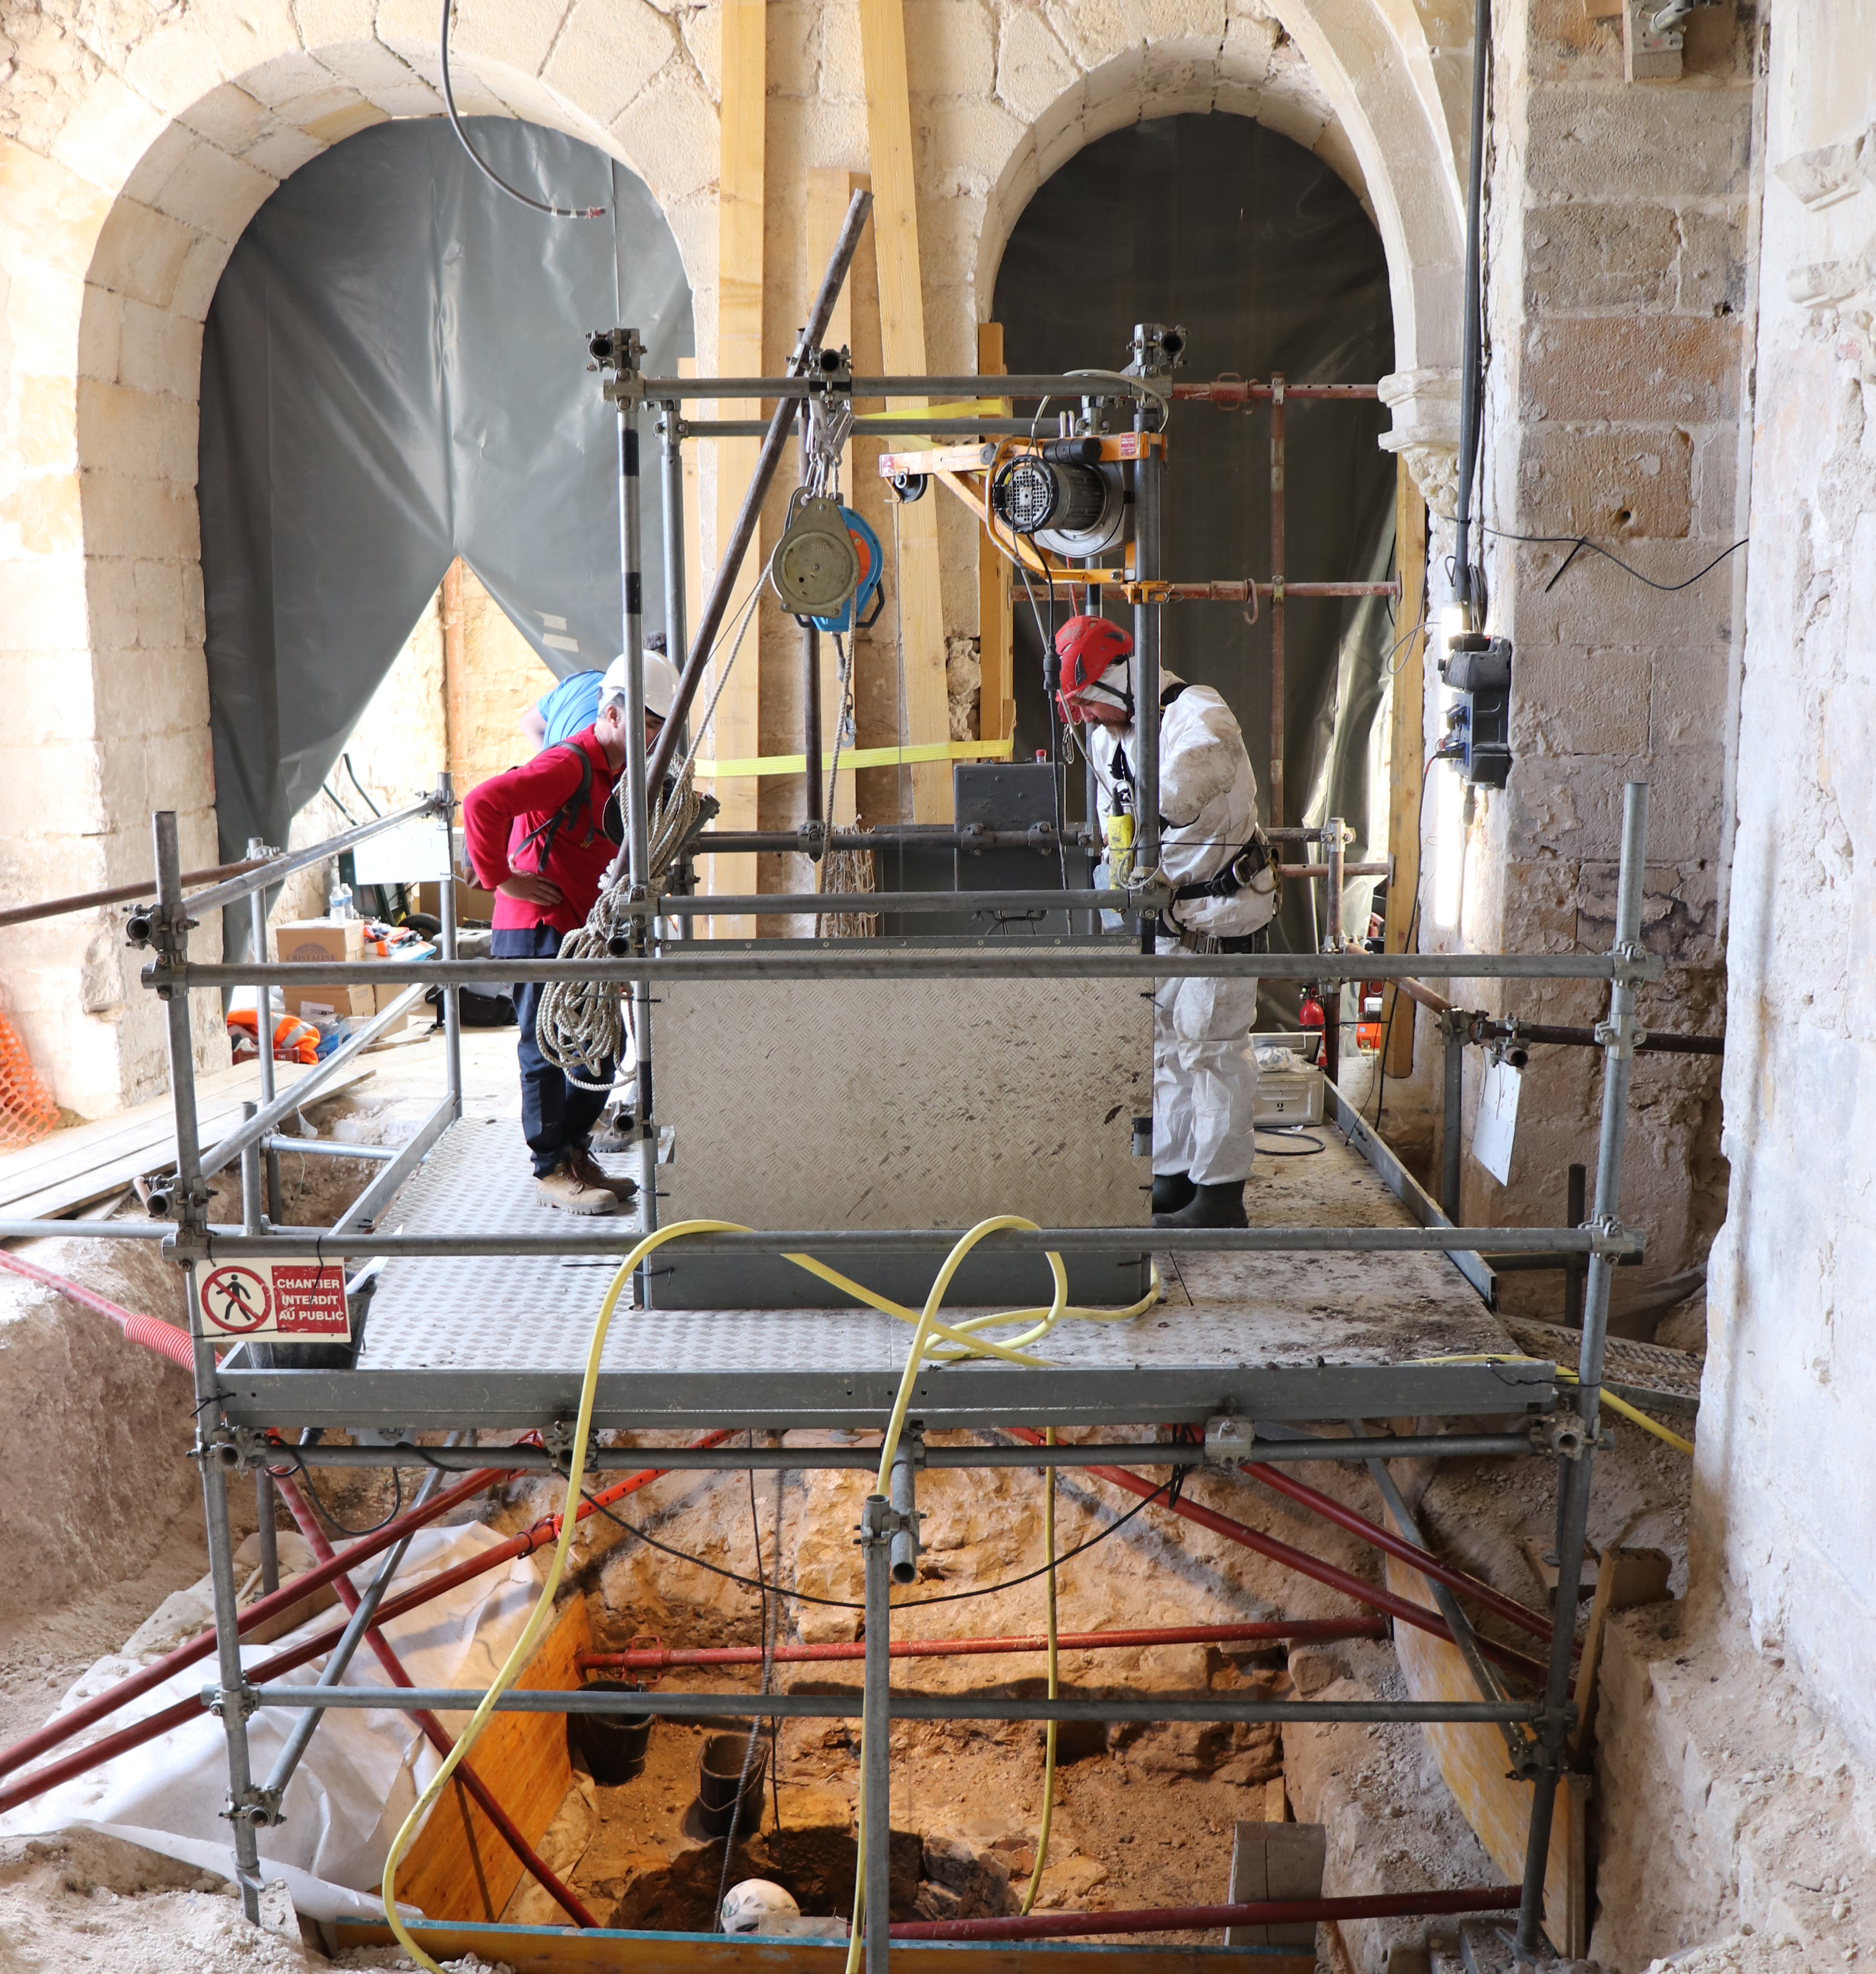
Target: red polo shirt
500, 813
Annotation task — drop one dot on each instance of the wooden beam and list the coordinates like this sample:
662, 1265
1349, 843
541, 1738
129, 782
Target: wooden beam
926, 713
1471, 1757
996, 717
1407, 763
458, 1867
736, 730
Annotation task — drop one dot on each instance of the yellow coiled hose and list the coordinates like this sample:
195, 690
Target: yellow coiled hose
965, 1339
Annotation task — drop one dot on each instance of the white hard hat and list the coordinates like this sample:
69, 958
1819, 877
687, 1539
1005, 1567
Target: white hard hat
660, 683
755, 1905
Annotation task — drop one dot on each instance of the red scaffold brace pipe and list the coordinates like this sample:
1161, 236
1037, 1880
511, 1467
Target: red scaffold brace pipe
661, 1659
536, 1535
1205, 1918
433, 1730
1400, 1609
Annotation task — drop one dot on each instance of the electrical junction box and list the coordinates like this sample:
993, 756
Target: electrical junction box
1479, 731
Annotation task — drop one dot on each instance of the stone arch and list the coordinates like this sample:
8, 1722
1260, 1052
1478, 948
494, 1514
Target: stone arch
1359, 83
117, 215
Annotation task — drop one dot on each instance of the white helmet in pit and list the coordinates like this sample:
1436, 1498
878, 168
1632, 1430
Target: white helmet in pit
755, 1905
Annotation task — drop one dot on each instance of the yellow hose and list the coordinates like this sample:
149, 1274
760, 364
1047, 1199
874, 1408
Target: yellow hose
1048, 1739
969, 1344
1565, 1376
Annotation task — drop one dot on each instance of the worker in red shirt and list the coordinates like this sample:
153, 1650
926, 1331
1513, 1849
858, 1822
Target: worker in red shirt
537, 837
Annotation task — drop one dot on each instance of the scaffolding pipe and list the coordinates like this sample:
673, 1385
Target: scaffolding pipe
1207, 1919
1401, 1609
670, 390
661, 1659
295, 1591
539, 1535
432, 1730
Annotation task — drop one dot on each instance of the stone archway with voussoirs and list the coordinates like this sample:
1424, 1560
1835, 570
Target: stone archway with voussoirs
116, 221
1358, 82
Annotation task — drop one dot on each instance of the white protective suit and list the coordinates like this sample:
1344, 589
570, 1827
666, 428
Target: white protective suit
1204, 1075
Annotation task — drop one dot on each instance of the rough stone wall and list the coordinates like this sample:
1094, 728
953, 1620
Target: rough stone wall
1785, 1504
1615, 257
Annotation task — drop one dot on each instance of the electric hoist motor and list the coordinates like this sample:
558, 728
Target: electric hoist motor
816, 567
1062, 498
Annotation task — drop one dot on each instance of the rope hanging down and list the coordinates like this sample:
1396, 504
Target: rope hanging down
583, 1025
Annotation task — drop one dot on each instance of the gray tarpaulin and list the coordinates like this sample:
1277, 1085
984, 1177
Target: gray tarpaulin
393, 374
1268, 261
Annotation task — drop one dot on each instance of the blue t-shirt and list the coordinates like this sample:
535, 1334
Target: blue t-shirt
572, 705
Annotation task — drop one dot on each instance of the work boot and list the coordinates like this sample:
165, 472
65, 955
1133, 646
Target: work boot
563, 1188
590, 1172
1209, 1206
1171, 1192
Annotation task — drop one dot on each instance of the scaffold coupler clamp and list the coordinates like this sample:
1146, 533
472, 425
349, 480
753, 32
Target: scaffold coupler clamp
1611, 1239
618, 354
1621, 1036
557, 1439
221, 1444
1150, 896
243, 1448
1635, 963
242, 1701
1228, 1440
1561, 1433
261, 1807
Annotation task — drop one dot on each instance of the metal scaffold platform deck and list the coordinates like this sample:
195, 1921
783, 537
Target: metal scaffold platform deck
500, 1341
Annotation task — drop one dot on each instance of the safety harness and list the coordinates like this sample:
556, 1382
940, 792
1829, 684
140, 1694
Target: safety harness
1249, 862
545, 833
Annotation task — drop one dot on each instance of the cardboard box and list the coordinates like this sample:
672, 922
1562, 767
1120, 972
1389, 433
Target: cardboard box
473, 905
339, 940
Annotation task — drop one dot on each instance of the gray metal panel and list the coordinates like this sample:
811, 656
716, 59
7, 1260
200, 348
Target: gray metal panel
887, 1104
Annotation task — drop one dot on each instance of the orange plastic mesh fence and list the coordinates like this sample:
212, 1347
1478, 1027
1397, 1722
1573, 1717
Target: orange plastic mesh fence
28, 1112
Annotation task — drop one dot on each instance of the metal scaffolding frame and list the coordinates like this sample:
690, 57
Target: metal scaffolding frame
1239, 1411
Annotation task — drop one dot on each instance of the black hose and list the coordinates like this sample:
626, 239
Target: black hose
1471, 358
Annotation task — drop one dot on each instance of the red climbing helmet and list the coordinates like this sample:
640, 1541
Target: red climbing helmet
1088, 647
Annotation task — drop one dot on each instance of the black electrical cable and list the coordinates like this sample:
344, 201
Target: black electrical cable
325, 789
326, 1514
1579, 543
1293, 1132
462, 136
351, 775
847, 1604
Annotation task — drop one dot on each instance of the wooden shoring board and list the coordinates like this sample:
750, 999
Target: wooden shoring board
529, 1949
1407, 764
1472, 1757
75, 1168
996, 716
736, 728
458, 1867
925, 716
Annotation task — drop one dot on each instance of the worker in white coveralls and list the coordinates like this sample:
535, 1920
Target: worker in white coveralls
1224, 879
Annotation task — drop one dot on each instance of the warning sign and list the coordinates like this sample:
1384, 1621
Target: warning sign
275, 1299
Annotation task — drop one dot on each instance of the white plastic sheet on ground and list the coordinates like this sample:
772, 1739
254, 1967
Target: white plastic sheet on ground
363, 1770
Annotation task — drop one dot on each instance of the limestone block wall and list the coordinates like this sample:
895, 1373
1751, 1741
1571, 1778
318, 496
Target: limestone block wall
1617, 254
1784, 1508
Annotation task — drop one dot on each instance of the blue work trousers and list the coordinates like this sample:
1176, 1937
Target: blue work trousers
556, 1115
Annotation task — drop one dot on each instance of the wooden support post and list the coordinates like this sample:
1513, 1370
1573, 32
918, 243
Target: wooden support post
1407, 764
996, 718
925, 716
736, 731
853, 326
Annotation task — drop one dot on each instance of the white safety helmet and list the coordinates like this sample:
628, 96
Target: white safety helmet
660, 683
755, 1905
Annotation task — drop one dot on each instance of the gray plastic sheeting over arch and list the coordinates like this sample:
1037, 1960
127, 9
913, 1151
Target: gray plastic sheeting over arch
393, 374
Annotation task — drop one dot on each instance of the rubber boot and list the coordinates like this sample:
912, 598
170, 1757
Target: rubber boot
1209, 1206
1171, 1192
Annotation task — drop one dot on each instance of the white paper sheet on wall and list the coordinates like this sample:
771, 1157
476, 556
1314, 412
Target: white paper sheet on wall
1497, 1127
